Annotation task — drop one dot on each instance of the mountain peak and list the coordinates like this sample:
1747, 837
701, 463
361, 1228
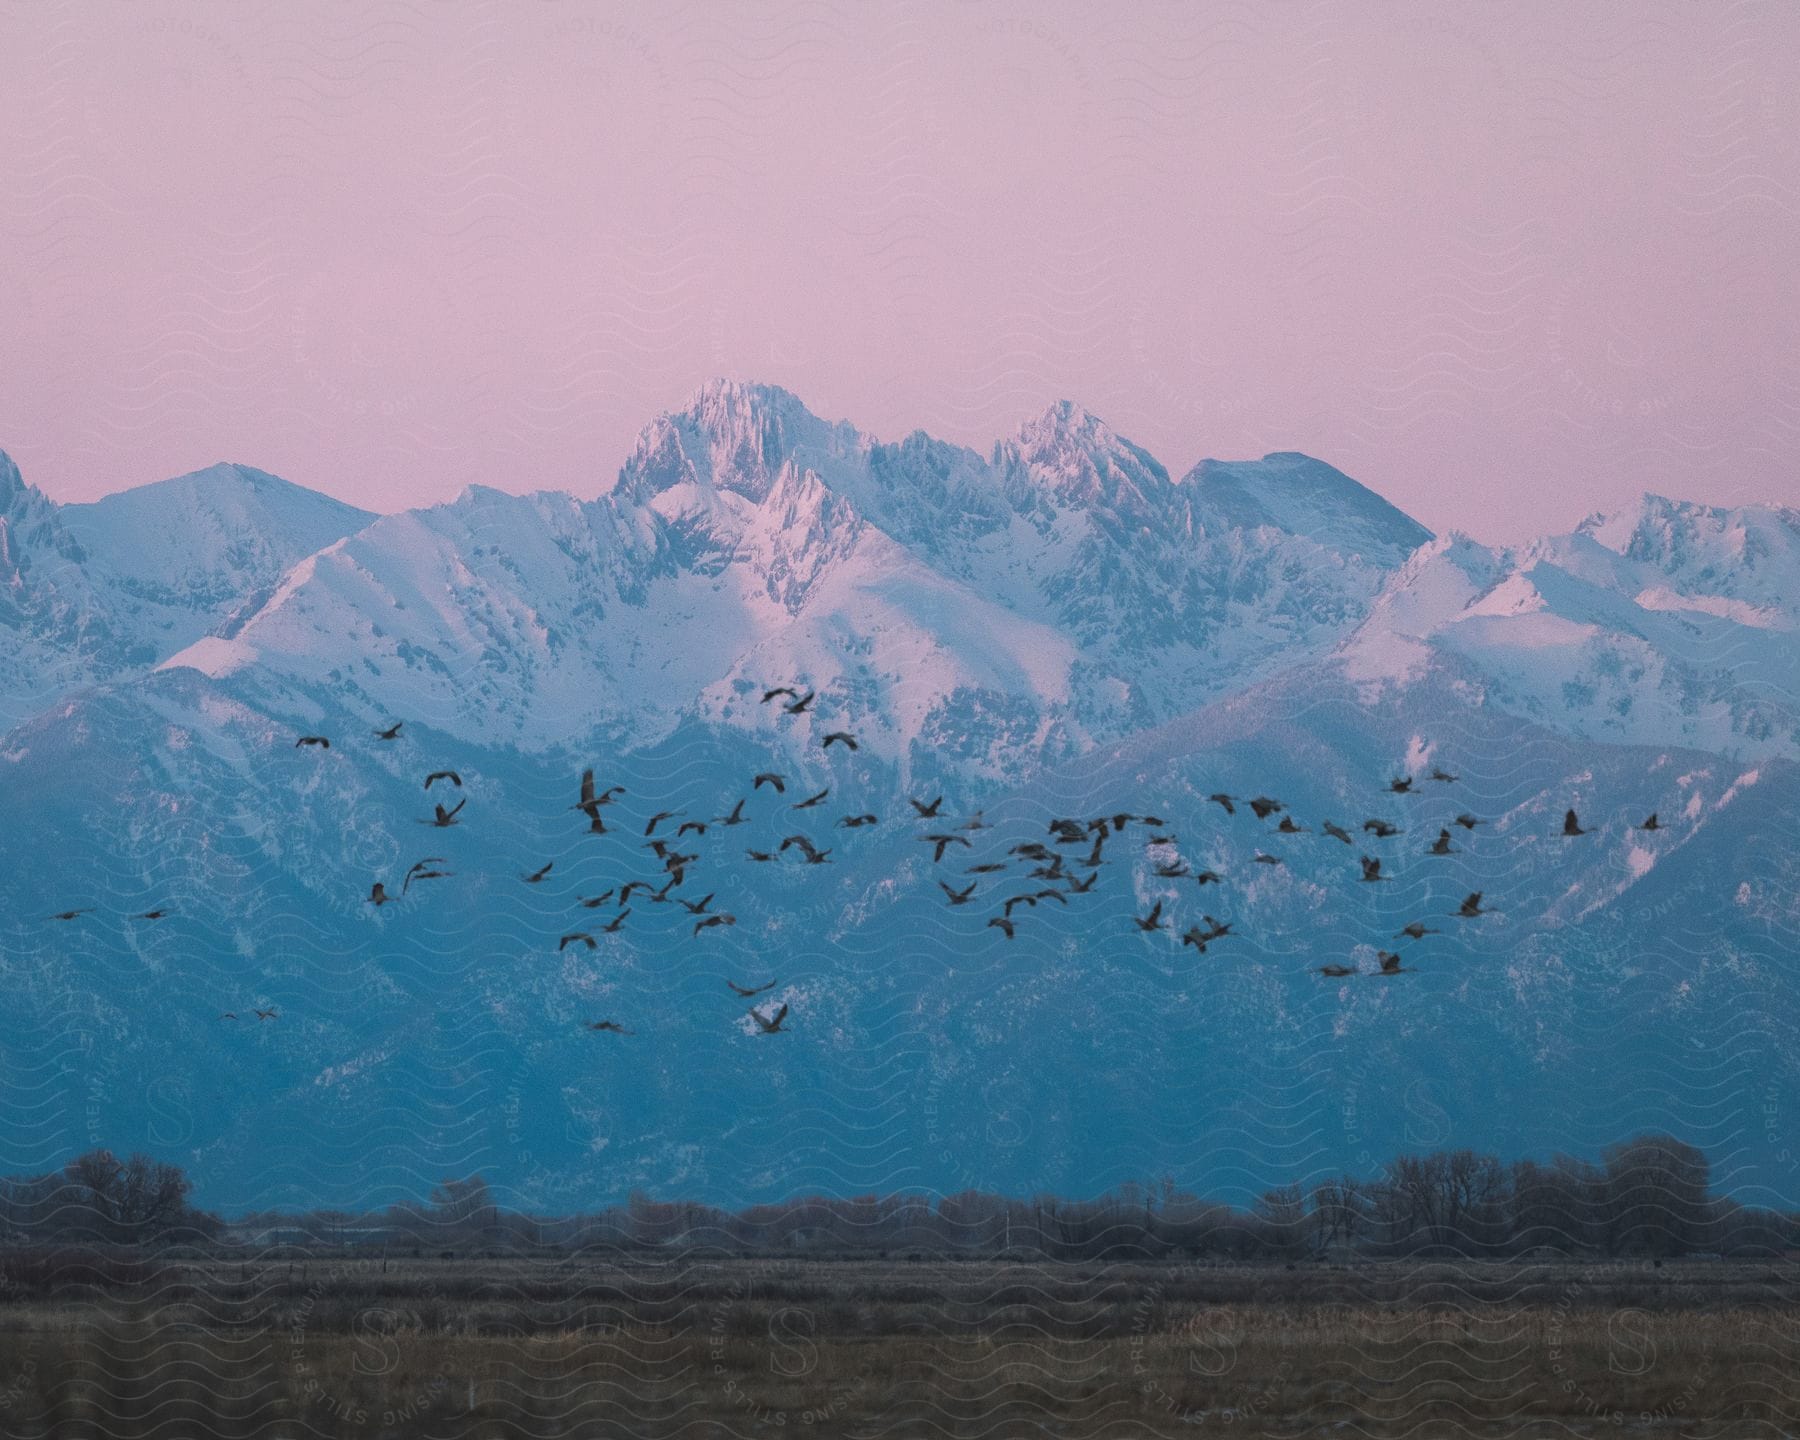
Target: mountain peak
1080, 458
1287, 490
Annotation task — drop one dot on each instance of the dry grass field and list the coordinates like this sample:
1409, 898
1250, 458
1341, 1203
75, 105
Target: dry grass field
698, 1345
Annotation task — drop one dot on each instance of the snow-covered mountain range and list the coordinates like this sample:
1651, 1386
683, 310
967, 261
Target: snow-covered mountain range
1058, 626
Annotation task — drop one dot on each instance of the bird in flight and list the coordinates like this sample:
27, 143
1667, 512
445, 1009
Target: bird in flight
1030, 900
596, 901
1337, 971
801, 705
761, 856
1208, 877
1651, 823
1337, 832
779, 690
1263, 807
988, 867
1289, 827
1442, 845
611, 1027
318, 740
1390, 962
1221, 798
1439, 773
1178, 870
1081, 887
926, 812
1471, 907
710, 921
974, 822
229, 1015
378, 895
658, 818
812, 800
1262, 859
592, 802
736, 817
1002, 924
1418, 930
576, 937
771, 1025
1151, 922
690, 827
697, 907
1401, 786
1381, 830
616, 924
421, 870
267, 1015
958, 897
443, 819
752, 990
449, 775
72, 914
942, 842
1196, 937
839, 737
391, 733
1572, 825
156, 914
537, 875
769, 777
854, 822
1467, 821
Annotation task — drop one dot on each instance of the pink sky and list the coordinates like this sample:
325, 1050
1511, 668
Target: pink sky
1507, 264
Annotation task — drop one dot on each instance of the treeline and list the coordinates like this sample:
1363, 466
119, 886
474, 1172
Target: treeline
1649, 1196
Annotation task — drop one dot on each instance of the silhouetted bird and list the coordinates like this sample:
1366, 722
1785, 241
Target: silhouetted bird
710, 921
690, 827
449, 775
611, 1027
1079, 887
443, 818
1007, 909
1390, 962
267, 1015
1056, 895
1402, 786
926, 812
537, 875
1467, 821
769, 777
1336, 832
697, 907
787, 690
229, 1015
736, 817
1471, 907
378, 895
616, 924
1442, 845
576, 937
318, 740
1652, 823
752, 990
72, 914
596, 901
658, 818
391, 733
958, 897
839, 737
800, 706
942, 842
1439, 773
1337, 971
988, 867
974, 822
760, 856
1262, 859
1003, 925
151, 915
1195, 937
1223, 799
813, 800
1288, 827
856, 822
1381, 830
1176, 871
421, 870
1208, 877
805, 844
770, 1026
1572, 825
1152, 921
1263, 807
596, 826
1418, 930
591, 802
630, 885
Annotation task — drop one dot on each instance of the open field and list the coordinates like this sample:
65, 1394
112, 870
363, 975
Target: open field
340, 1345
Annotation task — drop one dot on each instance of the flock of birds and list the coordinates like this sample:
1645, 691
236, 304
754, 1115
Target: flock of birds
1052, 877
